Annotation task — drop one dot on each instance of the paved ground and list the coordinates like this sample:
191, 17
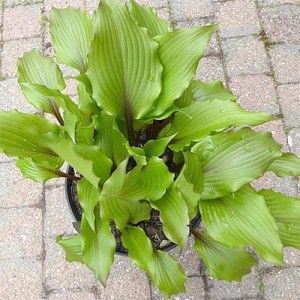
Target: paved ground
256, 52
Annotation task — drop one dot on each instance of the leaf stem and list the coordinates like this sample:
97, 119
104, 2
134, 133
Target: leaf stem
57, 113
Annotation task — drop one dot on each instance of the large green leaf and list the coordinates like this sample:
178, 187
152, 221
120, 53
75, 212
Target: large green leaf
223, 262
38, 172
242, 219
98, 246
162, 268
198, 120
148, 182
110, 139
147, 17
87, 160
286, 165
123, 65
157, 147
233, 158
88, 197
286, 212
179, 52
192, 171
213, 90
33, 68
72, 33
23, 136
72, 247
186, 99
174, 216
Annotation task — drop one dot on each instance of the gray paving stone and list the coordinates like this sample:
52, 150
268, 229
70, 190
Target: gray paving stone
20, 232
71, 295
154, 3
213, 47
248, 288
14, 49
164, 14
11, 97
191, 9
21, 279
292, 257
256, 93
125, 281
276, 2
286, 63
245, 56
289, 98
16, 191
91, 5
60, 274
20, 2
62, 4
210, 68
195, 290
282, 23
238, 18
294, 140
282, 284
58, 217
22, 21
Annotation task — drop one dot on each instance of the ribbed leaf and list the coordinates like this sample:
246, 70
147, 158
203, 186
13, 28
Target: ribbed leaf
174, 216
27, 141
243, 219
210, 91
72, 247
193, 171
223, 262
88, 197
197, 121
38, 172
33, 68
179, 52
123, 67
286, 212
233, 158
98, 247
87, 160
186, 99
72, 33
148, 182
147, 17
286, 165
162, 268
157, 147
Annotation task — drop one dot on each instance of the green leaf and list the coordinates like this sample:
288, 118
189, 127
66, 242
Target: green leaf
72, 247
124, 68
286, 212
210, 91
286, 165
87, 160
28, 132
98, 246
192, 171
146, 16
223, 262
174, 216
72, 33
200, 119
38, 172
163, 270
148, 182
186, 99
243, 219
234, 158
137, 153
88, 197
179, 52
157, 147
110, 139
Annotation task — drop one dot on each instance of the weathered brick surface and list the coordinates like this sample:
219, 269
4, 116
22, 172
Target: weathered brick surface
71, 295
21, 279
210, 68
245, 56
238, 18
277, 2
286, 63
282, 23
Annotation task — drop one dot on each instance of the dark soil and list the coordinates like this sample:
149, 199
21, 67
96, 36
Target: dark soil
153, 227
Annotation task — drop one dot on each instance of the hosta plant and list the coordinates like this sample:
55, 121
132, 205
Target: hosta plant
145, 136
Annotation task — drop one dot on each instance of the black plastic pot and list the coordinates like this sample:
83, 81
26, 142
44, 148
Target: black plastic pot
75, 209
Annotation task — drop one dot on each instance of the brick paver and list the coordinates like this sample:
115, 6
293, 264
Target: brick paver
255, 52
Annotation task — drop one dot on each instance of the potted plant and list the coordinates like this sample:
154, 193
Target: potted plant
146, 139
